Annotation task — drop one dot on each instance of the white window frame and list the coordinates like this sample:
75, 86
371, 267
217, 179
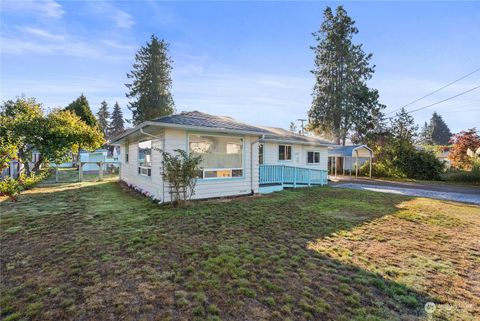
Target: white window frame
314, 152
284, 153
141, 169
203, 170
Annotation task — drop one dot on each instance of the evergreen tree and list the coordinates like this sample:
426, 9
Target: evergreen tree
292, 127
403, 127
151, 82
342, 101
117, 122
426, 135
81, 108
102, 118
441, 134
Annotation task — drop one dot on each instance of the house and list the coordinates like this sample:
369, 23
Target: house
238, 159
108, 157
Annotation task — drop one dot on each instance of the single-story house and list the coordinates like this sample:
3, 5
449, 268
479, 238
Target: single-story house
237, 158
347, 159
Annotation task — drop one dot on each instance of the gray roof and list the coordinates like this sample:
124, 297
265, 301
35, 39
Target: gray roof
198, 119
203, 121
345, 150
283, 135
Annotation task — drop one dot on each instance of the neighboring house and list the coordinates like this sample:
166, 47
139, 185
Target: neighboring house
348, 159
238, 159
110, 157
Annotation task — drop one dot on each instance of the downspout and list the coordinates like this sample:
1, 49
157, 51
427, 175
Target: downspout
163, 139
251, 161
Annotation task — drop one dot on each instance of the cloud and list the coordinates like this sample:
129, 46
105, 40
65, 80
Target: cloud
41, 33
121, 18
45, 8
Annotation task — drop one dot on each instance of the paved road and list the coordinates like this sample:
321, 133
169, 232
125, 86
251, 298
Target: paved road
443, 192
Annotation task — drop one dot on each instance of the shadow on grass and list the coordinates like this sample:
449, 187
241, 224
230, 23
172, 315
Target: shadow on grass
95, 251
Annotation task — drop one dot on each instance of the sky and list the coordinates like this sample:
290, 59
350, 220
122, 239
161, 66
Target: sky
247, 60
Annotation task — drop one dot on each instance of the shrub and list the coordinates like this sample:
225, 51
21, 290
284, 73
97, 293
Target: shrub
13, 187
10, 187
406, 163
472, 176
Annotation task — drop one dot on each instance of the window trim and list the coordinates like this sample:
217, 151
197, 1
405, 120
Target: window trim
291, 151
203, 178
143, 167
319, 157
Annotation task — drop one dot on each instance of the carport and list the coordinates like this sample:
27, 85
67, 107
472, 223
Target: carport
348, 157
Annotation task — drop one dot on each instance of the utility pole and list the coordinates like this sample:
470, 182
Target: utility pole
302, 120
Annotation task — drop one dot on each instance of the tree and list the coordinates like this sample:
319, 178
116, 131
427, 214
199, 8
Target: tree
25, 128
440, 132
403, 128
426, 135
20, 121
81, 108
65, 132
116, 122
461, 143
292, 127
151, 82
102, 117
342, 101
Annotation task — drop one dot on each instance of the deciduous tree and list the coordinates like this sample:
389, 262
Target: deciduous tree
461, 143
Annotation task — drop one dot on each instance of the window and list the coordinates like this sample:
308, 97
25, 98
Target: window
127, 147
284, 152
145, 158
313, 157
222, 157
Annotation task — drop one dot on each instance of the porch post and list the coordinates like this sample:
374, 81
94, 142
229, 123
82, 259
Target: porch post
283, 174
350, 165
294, 177
80, 171
336, 163
101, 171
370, 165
309, 174
356, 164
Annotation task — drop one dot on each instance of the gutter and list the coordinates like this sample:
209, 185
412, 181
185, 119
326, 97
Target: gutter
251, 161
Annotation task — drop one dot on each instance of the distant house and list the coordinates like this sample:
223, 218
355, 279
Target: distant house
108, 157
238, 158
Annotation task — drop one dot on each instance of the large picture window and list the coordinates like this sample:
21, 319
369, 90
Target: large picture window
313, 157
284, 152
222, 156
145, 158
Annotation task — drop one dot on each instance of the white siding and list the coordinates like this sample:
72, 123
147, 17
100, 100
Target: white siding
129, 171
299, 155
207, 188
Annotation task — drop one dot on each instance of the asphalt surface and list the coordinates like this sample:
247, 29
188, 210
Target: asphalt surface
437, 191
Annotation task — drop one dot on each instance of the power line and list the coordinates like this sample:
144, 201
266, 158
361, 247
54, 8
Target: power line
435, 91
444, 100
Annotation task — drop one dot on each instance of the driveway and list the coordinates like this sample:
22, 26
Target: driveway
443, 192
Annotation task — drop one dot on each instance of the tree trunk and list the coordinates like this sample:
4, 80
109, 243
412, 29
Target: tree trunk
37, 165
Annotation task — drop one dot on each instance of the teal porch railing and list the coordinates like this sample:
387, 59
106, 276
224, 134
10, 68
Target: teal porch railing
291, 176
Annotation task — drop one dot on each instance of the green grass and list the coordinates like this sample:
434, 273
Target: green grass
97, 251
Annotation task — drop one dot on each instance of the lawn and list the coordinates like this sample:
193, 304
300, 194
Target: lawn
97, 251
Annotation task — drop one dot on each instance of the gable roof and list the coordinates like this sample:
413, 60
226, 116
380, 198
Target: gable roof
347, 150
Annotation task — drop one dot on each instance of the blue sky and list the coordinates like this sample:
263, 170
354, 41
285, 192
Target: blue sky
248, 60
